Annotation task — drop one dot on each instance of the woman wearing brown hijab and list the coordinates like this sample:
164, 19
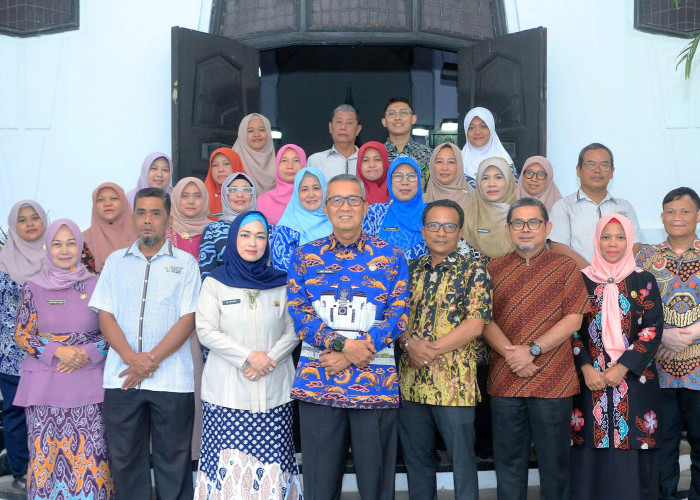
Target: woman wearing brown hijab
254, 146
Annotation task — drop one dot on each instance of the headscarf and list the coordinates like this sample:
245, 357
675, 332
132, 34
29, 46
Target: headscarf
53, 277
404, 215
103, 238
22, 259
229, 213
193, 226
238, 272
143, 178
485, 221
260, 165
473, 156
375, 191
550, 193
608, 275
310, 225
458, 190
272, 203
212, 187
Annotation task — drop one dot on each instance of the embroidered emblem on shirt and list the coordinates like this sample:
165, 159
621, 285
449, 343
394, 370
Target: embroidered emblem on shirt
173, 269
276, 303
231, 302
83, 296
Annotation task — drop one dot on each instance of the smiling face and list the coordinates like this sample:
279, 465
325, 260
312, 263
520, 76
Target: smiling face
159, 173
372, 166
344, 128
346, 219
403, 188
478, 133
221, 168
64, 248
441, 243
310, 192
191, 201
529, 241
238, 201
445, 166
401, 121
493, 184
30, 227
251, 241
534, 186
290, 164
680, 217
613, 242
108, 204
256, 134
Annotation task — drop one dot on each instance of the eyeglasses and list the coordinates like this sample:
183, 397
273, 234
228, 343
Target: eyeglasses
434, 227
242, 190
604, 166
541, 175
339, 201
519, 225
399, 177
402, 113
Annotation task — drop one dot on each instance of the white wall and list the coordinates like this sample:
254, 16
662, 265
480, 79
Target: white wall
607, 82
83, 107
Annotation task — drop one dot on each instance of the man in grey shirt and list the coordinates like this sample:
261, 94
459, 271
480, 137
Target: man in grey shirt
344, 127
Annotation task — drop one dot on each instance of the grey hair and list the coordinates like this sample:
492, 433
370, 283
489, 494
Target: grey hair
347, 177
347, 107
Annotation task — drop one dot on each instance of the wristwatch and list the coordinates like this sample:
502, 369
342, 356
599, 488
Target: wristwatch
338, 343
535, 350
403, 344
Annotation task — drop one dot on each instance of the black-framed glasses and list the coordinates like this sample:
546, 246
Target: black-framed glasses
434, 227
519, 224
240, 189
399, 177
604, 165
541, 174
339, 201
402, 113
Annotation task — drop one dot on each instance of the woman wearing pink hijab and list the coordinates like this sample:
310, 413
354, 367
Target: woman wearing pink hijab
616, 415
537, 181
290, 159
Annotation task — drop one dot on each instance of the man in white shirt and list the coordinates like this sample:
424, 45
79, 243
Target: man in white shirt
344, 127
146, 297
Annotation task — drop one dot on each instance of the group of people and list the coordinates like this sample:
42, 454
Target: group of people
429, 291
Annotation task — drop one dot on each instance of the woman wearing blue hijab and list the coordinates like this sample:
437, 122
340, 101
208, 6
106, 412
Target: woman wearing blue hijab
242, 318
399, 221
303, 220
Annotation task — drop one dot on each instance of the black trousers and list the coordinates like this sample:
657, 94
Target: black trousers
135, 418
14, 427
545, 422
326, 433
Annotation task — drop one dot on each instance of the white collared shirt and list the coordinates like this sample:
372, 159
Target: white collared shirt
332, 163
575, 217
147, 298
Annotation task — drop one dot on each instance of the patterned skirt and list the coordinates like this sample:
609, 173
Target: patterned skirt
247, 455
68, 456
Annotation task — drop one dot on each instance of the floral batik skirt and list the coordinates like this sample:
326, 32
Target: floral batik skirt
68, 456
247, 455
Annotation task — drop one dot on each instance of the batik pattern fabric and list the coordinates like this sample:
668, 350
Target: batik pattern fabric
480, 346
87, 259
358, 291
11, 356
373, 222
625, 416
678, 279
419, 152
442, 298
247, 455
68, 455
283, 246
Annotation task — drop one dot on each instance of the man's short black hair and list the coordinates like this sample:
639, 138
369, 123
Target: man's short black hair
679, 192
150, 192
392, 100
444, 203
592, 146
528, 202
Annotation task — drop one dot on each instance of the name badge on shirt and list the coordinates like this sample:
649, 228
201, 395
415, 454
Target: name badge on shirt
482, 230
231, 302
56, 302
390, 228
325, 271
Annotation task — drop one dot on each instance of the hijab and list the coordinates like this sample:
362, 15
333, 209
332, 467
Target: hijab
53, 277
193, 226
238, 272
473, 155
22, 259
485, 221
273, 203
229, 213
260, 165
375, 191
608, 275
213, 188
404, 215
458, 190
102, 237
310, 225
143, 178
550, 193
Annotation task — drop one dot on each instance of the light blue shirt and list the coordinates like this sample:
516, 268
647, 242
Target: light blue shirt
147, 298
332, 163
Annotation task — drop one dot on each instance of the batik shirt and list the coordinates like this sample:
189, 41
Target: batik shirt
283, 246
678, 279
372, 225
358, 291
419, 152
11, 356
442, 298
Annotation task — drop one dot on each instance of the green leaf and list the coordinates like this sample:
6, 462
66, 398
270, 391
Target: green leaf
688, 54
